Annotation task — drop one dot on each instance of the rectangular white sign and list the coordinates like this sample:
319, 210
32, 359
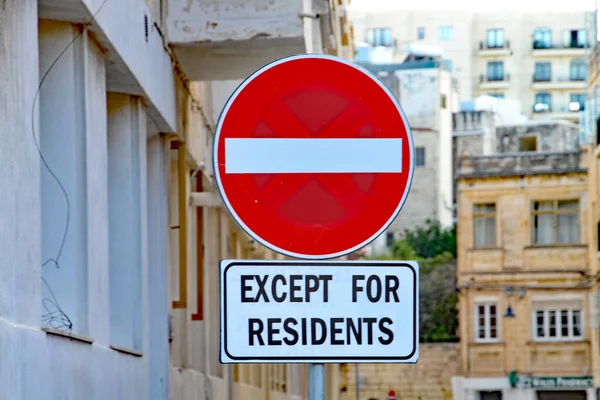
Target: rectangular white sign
266, 156
319, 311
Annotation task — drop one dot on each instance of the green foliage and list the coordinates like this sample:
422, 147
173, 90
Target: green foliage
434, 248
432, 239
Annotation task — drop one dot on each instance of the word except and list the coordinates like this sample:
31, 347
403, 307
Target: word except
316, 331
280, 287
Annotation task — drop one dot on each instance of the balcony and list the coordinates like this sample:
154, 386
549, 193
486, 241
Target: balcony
559, 358
556, 257
494, 81
487, 50
540, 49
222, 40
487, 359
486, 259
515, 164
572, 112
558, 83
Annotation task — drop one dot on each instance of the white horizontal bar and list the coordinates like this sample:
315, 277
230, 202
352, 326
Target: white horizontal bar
267, 156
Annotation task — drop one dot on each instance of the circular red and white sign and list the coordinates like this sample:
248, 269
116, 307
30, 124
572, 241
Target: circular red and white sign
313, 156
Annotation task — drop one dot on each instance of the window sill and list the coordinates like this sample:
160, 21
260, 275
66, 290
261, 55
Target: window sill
125, 350
486, 342
68, 335
560, 245
485, 248
557, 341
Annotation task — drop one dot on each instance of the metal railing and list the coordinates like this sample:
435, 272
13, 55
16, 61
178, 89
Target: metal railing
562, 78
494, 78
485, 45
541, 45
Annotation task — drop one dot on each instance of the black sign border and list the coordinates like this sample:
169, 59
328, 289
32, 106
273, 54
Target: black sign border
309, 359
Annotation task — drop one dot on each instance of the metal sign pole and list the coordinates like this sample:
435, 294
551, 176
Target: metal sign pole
316, 381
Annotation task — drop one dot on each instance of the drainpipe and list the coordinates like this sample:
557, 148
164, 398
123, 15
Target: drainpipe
182, 208
199, 315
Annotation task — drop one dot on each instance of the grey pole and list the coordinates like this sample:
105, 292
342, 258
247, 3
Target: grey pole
316, 381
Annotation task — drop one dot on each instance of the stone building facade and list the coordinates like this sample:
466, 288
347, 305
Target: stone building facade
429, 379
523, 270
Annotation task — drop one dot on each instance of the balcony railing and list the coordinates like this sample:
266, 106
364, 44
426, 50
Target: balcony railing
526, 163
546, 78
541, 45
494, 78
485, 45
574, 107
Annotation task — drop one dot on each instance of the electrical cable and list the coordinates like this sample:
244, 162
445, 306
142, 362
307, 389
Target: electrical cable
55, 317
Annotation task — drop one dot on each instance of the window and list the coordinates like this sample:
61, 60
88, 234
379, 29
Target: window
543, 102
528, 143
578, 70
575, 38
486, 322
445, 32
560, 323
490, 395
561, 395
542, 72
542, 38
495, 71
496, 95
577, 102
495, 38
420, 33
555, 222
379, 37
484, 221
389, 239
443, 101
420, 157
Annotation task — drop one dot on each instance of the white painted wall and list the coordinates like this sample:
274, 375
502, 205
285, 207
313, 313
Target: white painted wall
158, 230
445, 178
20, 227
63, 112
126, 161
73, 122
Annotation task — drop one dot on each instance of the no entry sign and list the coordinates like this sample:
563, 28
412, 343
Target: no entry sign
313, 156
319, 311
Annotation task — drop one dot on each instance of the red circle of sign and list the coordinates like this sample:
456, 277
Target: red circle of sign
313, 215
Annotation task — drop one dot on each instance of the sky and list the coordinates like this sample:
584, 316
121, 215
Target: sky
475, 5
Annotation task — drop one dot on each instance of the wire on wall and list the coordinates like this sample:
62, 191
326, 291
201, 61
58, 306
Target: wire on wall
54, 316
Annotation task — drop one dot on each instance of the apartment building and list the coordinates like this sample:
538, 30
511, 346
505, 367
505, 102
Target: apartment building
593, 222
112, 228
424, 91
536, 58
527, 311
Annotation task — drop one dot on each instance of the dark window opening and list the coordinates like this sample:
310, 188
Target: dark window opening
420, 157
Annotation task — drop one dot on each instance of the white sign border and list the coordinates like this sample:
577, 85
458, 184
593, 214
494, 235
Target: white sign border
217, 175
226, 358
